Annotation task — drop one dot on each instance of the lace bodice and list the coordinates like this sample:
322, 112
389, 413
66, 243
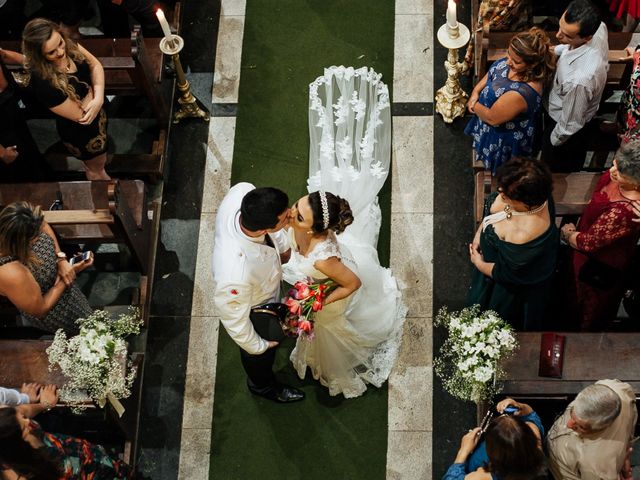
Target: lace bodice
301, 266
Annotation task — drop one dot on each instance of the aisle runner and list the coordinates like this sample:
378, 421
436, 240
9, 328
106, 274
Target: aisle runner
286, 45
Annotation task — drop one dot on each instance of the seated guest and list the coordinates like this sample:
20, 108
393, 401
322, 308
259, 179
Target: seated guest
514, 250
20, 160
510, 449
26, 451
506, 102
35, 274
581, 75
29, 393
69, 81
629, 112
603, 242
592, 439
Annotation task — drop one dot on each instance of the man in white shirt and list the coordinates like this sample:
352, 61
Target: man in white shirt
249, 249
581, 75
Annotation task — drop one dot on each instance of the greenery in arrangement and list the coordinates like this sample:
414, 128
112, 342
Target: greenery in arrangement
95, 361
468, 363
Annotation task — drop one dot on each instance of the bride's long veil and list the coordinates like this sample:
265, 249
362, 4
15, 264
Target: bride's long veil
350, 149
350, 156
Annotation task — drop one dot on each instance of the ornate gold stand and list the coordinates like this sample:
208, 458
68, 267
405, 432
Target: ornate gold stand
189, 105
451, 100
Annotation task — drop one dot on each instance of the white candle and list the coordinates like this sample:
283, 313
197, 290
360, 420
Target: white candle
164, 24
451, 14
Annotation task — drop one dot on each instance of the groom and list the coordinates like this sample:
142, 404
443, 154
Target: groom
247, 255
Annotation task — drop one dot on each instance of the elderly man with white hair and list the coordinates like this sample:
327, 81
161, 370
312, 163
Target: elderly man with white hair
592, 439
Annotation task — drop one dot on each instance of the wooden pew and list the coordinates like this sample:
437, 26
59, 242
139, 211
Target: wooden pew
106, 212
27, 361
588, 357
571, 192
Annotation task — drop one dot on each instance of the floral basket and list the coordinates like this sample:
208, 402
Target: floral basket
468, 363
95, 362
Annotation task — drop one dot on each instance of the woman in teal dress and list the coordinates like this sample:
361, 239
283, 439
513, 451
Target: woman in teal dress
515, 248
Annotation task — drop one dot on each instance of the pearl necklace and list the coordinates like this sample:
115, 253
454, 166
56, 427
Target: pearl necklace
507, 213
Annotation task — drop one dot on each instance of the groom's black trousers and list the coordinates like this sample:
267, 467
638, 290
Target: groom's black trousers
259, 368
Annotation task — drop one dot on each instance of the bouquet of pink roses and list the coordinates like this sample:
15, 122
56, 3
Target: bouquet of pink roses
304, 300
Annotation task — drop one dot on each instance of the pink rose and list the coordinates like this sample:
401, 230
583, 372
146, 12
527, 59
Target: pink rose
305, 326
317, 305
294, 306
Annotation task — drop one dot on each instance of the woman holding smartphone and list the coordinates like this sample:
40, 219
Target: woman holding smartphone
35, 274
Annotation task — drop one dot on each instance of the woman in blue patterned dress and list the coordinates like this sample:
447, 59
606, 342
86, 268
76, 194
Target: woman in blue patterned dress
506, 102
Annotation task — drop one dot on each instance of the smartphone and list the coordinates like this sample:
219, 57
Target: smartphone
80, 257
510, 410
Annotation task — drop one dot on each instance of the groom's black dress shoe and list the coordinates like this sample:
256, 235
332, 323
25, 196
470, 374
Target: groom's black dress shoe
278, 393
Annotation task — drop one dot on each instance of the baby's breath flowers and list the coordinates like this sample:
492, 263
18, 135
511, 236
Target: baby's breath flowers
95, 361
468, 360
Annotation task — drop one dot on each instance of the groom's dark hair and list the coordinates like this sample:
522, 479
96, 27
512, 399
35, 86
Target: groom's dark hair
261, 207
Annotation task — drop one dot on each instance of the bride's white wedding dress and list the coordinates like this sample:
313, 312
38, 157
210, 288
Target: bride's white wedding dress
356, 339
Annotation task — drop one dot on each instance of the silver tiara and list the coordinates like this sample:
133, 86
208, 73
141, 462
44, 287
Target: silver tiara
325, 209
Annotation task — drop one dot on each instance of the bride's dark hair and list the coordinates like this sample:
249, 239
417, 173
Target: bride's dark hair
340, 215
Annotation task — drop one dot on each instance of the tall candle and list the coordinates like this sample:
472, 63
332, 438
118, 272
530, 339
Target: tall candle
451, 14
164, 24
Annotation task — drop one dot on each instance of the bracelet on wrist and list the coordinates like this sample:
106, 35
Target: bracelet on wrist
47, 406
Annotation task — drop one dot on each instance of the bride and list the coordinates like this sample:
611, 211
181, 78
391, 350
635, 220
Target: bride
357, 332
334, 235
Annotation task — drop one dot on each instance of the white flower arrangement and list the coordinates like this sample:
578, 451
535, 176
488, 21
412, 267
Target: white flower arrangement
95, 361
469, 358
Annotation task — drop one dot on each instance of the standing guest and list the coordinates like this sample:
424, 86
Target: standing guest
250, 247
629, 111
26, 451
20, 159
514, 250
506, 102
34, 273
592, 439
511, 448
604, 241
69, 81
581, 76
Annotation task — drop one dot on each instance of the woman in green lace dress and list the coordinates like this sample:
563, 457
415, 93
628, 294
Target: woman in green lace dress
515, 248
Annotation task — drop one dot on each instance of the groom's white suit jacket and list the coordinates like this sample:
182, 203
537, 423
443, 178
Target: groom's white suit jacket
246, 272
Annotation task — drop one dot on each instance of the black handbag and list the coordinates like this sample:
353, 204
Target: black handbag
267, 320
598, 275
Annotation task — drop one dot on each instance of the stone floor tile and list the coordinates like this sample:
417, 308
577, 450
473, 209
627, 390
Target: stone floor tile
233, 7
411, 7
409, 456
413, 59
412, 176
202, 303
410, 398
194, 456
226, 77
417, 343
217, 173
412, 260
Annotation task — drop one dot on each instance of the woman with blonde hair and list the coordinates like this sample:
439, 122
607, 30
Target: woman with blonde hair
507, 101
35, 274
69, 81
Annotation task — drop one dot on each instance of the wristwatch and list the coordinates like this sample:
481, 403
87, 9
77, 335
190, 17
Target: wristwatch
61, 256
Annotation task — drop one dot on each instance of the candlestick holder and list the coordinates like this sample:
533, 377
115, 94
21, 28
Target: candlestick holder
190, 107
451, 100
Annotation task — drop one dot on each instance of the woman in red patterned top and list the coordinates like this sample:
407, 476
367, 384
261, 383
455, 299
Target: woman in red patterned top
28, 452
605, 239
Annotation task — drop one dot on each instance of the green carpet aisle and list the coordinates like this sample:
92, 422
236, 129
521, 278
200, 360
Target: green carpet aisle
287, 43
